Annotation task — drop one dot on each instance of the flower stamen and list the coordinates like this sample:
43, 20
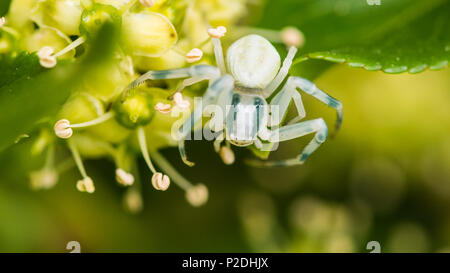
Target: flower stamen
63, 128
124, 178
86, 184
194, 55
133, 200
45, 57
218, 32
70, 47
291, 36
196, 195
159, 181
227, 155
180, 102
163, 108
147, 3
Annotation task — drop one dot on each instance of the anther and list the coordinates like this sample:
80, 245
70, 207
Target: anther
163, 108
160, 182
180, 102
147, 3
133, 201
291, 36
86, 185
62, 129
194, 55
197, 195
227, 155
45, 57
2, 21
43, 179
124, 178
218, 32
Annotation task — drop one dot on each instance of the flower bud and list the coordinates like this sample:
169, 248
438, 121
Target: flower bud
107, 81
136, 110
19, 13
63, 15
81, 107
148, 33
160, 182
48, 37
197, 195
169, 60
92, 19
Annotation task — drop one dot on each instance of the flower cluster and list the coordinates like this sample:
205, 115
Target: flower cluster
99, 120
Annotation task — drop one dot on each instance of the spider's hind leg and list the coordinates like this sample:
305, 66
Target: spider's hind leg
292, 131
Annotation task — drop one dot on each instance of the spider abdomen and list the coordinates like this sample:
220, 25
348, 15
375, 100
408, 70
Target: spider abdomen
253, 61
245, 118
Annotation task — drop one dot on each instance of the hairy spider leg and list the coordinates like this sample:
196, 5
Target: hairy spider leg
284, 70
220, 61
207, 71
293, 131
300, 129
283, 100
223, 84
310, 88
188, 82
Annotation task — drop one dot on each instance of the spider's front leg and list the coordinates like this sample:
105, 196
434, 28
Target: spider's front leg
280, 104
195, 74
310, 88
293, 131
282, 100
219, 92
218, 53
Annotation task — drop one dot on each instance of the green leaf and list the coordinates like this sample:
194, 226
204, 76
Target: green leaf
29, 93
4, 6
17, 68
424, 43
395, 36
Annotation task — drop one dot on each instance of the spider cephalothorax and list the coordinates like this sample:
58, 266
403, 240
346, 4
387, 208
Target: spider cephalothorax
239, 87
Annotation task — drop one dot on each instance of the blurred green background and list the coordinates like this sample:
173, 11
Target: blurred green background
384, 177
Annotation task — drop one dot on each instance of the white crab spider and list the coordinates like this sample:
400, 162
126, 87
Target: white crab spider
252, 72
